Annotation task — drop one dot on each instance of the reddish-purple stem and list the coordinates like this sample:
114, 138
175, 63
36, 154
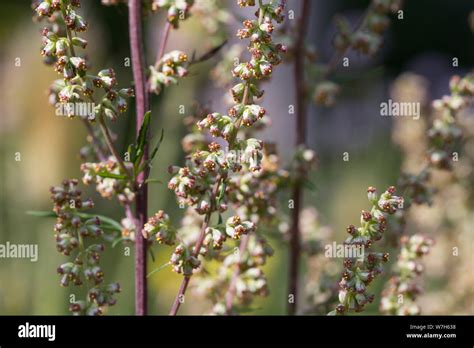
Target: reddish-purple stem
301, 124
141, 100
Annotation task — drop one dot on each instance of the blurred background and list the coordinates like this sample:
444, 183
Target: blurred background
424, 43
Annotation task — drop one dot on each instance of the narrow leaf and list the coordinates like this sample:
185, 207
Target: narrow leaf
152, 254
157, 147
116, 241
158, 269
151, 181
106, 222
38, 213
112, 175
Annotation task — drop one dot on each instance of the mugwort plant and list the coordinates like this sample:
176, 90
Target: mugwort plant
232, 185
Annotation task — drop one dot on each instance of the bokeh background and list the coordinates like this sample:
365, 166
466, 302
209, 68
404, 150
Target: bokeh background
423, 43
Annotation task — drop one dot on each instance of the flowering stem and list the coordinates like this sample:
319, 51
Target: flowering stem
164, 40
100, 154
82, 252
136, 47
244, 240
202, 234
184, 284
87, 123
301, 123
110, 145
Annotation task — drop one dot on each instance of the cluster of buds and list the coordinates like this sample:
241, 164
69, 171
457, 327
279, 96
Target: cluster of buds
98, 298
47, 8
235, 227
254, 193
189, 187
67, 204
360, 272
171, 66
249, 114
445, 131
176, 9
183, 261
367, 39
160, 228
218, 125
263, 57
129, 229
402, 290
76, 86
107, 178
213, 161
71, 230
250, 281
215, 238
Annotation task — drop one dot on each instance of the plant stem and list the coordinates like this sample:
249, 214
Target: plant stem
110, 145
202, 234
164, 40
301, 123
245, 239
141, 99
82, 251
95, 142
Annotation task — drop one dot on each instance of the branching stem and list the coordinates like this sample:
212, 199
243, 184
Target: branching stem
301, 124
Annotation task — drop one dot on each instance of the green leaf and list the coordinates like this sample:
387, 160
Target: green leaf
106, 222
158, 269
155, 150
221, 194
38, 213
139, 169
151, 181
142, 138
116, 241
131, 152
152, 254
105, 174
